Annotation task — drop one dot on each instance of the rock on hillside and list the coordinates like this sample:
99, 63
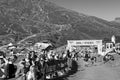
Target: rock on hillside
23, 18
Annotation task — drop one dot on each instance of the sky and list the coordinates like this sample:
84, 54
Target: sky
105, 9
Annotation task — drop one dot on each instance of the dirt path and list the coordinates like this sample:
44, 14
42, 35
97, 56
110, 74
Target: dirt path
99, 72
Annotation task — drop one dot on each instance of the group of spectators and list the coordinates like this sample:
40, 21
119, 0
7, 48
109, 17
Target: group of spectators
34, 65
41, 64
7, 67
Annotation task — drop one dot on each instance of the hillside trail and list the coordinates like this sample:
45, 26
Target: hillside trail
98, 72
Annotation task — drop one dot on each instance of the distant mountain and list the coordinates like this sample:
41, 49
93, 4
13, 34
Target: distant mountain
21, 19
117, 20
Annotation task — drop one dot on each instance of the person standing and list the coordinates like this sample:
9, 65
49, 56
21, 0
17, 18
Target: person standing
21, 71
2, 71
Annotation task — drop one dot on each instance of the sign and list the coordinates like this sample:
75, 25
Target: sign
72, 43
84, 42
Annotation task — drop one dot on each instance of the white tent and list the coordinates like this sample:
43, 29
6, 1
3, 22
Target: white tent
42, 45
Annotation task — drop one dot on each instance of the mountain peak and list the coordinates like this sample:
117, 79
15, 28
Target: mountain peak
21, 19
117, 19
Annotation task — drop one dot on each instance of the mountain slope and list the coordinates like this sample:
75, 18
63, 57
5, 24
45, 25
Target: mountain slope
22, 18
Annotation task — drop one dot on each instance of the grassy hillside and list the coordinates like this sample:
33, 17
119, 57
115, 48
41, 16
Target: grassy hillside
20, 19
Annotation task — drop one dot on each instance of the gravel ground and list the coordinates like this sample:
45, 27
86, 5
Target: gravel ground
99, 71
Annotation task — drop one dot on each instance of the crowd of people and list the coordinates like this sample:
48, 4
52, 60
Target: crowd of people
41, 64
35, 65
